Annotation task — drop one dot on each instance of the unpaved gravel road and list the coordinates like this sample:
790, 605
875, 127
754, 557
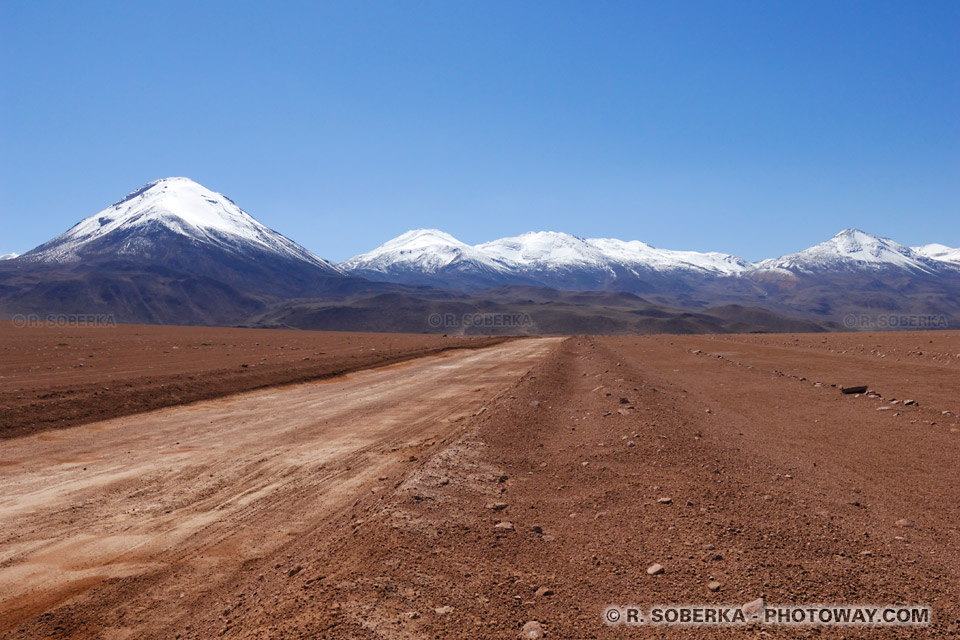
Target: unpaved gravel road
178, 499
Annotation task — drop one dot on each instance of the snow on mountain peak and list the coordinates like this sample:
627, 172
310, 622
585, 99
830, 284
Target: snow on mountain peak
419, 238
430, 251
177, 205
424, 250
850, 248
542, 248
635, 254
940, 252
8, 256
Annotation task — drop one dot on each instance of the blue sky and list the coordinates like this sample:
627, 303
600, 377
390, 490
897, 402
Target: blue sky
756, 128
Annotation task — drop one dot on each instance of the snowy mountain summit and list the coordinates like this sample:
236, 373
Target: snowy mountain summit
543, 258
139, 226
940, 252
852, 249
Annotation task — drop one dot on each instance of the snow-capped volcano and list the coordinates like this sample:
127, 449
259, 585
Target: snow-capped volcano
939, 252
543, 249
172, 251
427, 250
138, 225
852, 249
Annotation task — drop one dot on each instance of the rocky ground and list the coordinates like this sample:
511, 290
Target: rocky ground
735, 463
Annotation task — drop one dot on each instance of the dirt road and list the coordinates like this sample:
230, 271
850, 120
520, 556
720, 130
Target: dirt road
177, 500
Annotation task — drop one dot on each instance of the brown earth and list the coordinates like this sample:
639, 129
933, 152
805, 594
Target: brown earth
62, 377
367, 506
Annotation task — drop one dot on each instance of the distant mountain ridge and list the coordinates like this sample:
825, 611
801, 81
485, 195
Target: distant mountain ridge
559, 260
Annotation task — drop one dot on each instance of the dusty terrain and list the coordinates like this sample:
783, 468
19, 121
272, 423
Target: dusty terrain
59, 377
367, 506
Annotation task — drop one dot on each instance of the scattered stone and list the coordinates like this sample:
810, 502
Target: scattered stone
911, 403
442, 611
858, 389
754, 607
548, 538
768, 497
534, 403
713, 586
665, 500
655, 570
413, 615
444, 482
544, 591
884, 408
532, 631
504, 526
707, 411
497, 506
903, 522
294, 571
712, 557
631, 444
866, 553
708, 547
624, 400
536, 528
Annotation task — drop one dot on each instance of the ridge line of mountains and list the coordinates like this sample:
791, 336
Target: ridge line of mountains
174, 252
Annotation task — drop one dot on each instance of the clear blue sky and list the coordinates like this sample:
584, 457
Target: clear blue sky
757, 128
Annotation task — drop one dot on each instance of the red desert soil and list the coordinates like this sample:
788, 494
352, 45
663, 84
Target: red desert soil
368, 506
54, 378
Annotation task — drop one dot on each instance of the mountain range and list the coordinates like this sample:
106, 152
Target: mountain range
563, 261
175, 252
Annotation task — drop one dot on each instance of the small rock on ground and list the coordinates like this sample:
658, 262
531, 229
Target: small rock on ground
532, 631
